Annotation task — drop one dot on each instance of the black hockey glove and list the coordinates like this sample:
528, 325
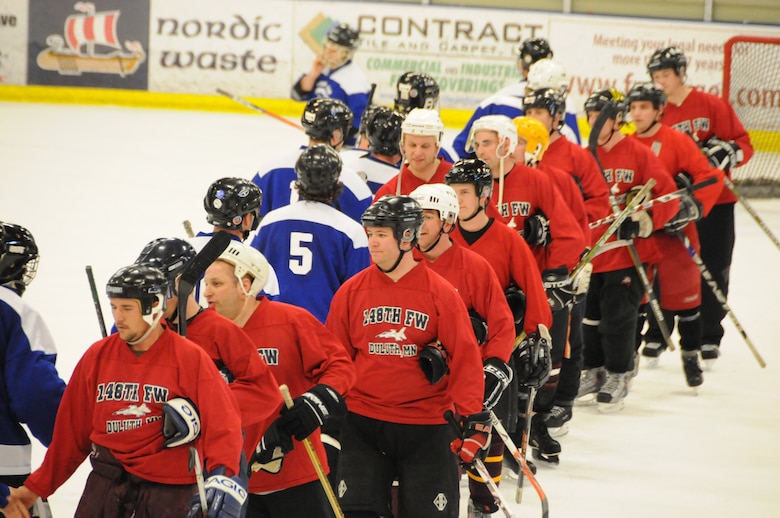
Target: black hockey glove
433, 362
181, 422
479, 326
723, 154
474, 439
225, 497
690, 210
310, 410
638, 224
498, 376
532, 359
270, 451
536, 230
516, 300
560, 292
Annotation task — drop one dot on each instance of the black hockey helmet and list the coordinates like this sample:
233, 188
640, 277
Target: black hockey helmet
401, 213
322, 116
168, 254
670, 57
142, 282
344, 35
367, 114
383, 131
532, 50
471, 171
416, 90
646, 92
608, 98
318, 169
549, 99
229, 200
18, 257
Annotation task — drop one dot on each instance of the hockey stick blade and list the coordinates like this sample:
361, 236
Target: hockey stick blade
195, 270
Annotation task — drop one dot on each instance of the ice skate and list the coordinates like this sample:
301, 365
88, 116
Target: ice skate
475, 510
693, 373
591, 382
652, 351
558, 420
545, 448
612, 394
709, 353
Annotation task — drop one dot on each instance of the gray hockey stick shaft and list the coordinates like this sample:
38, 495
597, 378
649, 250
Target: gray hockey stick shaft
96, 301
257, 108
501, 500
705, 273
198, 467
753, 214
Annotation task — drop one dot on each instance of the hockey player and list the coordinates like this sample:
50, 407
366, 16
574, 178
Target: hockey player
547, 73
303, 355
325, 121
249, 378
615, 292
334, 75
382, 160
421, 134
509, 100
408, 334
493, 322
135, 403
232, 205
678, 281
416, 90
30, 387
712, 123
515, 267
313, 247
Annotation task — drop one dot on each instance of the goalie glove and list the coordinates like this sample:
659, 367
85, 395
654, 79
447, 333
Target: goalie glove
310, 410
723, 154
532, 359
225, 497
536, 230
270, 451
560, 292
498, 376
433, 362
690, 210
474, 439
181, 422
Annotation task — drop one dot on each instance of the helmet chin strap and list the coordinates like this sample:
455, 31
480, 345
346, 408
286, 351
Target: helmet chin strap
397, 261
648, 128
441, 231
152, 325
479, 209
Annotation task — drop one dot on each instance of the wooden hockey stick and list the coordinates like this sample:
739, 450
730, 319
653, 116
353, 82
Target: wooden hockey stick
315, 461
96, 301
258, 109
524, 468
720, 296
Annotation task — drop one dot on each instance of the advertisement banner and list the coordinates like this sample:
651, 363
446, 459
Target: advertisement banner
101, 44
198, 46
13, 42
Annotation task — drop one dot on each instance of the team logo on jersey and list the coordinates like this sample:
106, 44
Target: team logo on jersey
134, 410
515, 208
395, 335
440, 502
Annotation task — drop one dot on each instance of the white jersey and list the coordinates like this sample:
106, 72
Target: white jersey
375, 172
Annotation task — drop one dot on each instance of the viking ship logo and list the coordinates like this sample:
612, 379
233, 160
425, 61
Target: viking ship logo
76, 51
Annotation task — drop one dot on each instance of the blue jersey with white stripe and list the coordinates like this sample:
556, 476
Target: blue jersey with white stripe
30, 388
314, 249
277, 181
376, 172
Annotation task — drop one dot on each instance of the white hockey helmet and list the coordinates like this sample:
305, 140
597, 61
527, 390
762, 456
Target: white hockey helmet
423, 121
438, 196
546, 73
247, 261
501, 124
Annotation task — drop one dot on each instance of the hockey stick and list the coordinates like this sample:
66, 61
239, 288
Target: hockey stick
660, 199
195, 464
524, 442
478, 465
720, 296
749, 208
315, 461
605, 114
188, 228
195, 270
513, 449
96, 301
258, 109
